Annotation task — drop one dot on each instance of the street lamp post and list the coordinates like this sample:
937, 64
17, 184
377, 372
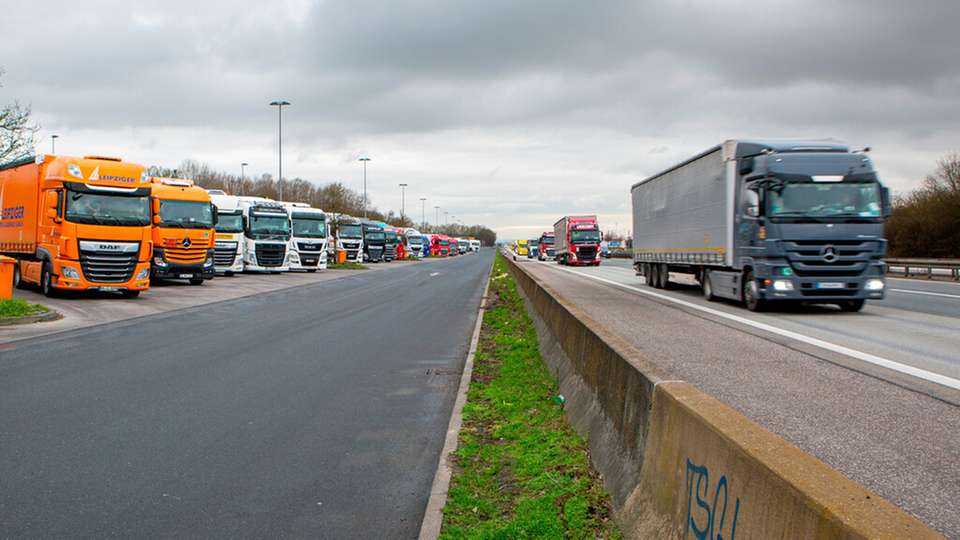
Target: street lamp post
53, 143
280, 104
403, 188
243, 175
436, 220
423, 212
364, 159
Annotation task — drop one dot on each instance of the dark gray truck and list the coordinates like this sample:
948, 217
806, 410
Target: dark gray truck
766, 221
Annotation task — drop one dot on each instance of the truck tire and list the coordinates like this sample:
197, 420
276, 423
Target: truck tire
664, 275
17, 278
851, 306
707, 286
46, 282
228, 274
751, 294
196, 281
653, 275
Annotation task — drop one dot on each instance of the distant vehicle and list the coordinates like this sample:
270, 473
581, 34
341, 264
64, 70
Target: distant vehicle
766, 221
463, 246
183, 234
347, 234
577, 240
452, 245
546, 243
266, 235
426, 245
413, 241
228, 251
533, 248
475, 245
374, 240
77, 223
605, 250
439, 245
521, 249
308, 241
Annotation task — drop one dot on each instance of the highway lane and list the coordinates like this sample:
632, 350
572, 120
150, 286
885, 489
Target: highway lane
313, 411
903, 444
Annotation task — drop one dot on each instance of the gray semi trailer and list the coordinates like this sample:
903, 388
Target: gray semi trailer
766, 221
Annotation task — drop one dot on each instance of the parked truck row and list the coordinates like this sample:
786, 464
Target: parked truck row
100, 223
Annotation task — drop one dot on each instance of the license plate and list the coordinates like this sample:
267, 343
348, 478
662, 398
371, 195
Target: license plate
830, 285
186, 276
109, 289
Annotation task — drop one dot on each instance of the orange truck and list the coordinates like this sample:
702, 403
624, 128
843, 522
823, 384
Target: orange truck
183, 231
77, 224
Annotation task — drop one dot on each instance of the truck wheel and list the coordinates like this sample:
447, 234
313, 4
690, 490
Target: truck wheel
17, 278
46, 282
228, 274
196, 281
851, 306
664, 275
751, 294
653, 277
130, 293
708, 287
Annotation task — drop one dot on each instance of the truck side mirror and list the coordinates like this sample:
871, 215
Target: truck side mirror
156, 206
52, 214
156, 219
51, 200
751, 210
746, 166
885, 201
216, 216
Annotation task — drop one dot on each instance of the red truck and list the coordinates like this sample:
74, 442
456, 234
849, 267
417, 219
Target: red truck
577, 240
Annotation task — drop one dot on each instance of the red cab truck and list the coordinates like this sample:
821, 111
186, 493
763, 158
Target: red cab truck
577, 241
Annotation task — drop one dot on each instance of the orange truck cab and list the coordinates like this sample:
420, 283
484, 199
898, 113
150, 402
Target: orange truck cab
183, 231
77, 223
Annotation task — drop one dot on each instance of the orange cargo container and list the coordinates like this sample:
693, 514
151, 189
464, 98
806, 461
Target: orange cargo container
77, 223
183, 234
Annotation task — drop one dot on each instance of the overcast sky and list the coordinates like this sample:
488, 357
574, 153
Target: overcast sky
502, 112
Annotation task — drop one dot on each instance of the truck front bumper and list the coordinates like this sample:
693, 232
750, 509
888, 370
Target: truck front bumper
183, 271
68, 276
823, 289
308, 261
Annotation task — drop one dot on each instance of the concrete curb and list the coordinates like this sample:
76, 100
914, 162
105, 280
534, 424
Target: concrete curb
51, 315
677, 461
433, 517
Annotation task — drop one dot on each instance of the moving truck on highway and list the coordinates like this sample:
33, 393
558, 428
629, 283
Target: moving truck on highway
577, 240
373, 241
77, 223
230, 245
766, 221
520, 249
183, 231
266, 235
414, 242
308, 239
533, 248
348, 236
546, 247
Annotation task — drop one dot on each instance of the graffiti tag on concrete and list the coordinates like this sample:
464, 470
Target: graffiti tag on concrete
708, 519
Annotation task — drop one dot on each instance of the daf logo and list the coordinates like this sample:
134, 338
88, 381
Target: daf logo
109, 247
186, 243
829, 254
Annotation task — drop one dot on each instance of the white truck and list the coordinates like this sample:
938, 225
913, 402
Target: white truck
229, 246
414, 242
266, 235
474, 246
347, 235
308, 241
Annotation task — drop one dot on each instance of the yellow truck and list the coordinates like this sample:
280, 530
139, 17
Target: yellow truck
183, 231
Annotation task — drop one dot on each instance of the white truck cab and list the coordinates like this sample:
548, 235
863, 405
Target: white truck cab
474, 245
414, 242
229, 246
347, 234
266, 235
308, 241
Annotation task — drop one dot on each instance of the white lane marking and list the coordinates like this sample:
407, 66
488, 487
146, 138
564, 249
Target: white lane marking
434, 274
945, 295
859, 355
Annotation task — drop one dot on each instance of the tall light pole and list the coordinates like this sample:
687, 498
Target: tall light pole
53, 143
243, 175
445, 219
403, 188
436, 221
280, 104
423, 212
364, 159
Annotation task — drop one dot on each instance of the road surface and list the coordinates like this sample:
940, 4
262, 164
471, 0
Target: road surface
894, 433
313, 411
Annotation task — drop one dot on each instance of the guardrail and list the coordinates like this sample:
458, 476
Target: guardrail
924, 267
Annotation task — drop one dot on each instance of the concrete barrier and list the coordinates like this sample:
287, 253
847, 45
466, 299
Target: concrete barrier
679, 463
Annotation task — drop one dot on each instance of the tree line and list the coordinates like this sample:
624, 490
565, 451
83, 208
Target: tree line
925, 222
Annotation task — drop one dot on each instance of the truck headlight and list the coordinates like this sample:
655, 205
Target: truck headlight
874, 285
70, 273
158, 261
143, 274
209, 261
782, 285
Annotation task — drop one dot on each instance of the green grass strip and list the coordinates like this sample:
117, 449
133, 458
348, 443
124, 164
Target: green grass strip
520, 470
346, 266
20, 308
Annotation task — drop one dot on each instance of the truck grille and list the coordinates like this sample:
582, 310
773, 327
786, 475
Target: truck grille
181, 255
829, 258
224, 256
587, 253
309, 247
391, 252
271, 254
108, 267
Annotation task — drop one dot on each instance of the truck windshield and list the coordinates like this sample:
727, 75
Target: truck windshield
585, 237
309, 227
547, 240
415, 241
186, 214
229, 223
350, 231
269, 225
824, 200
374, 235
444, 243
107, 209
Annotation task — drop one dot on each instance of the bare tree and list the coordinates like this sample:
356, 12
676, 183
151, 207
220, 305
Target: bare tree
947, 176
17, 132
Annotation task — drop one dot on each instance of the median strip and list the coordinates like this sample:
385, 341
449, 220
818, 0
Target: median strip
520, 470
